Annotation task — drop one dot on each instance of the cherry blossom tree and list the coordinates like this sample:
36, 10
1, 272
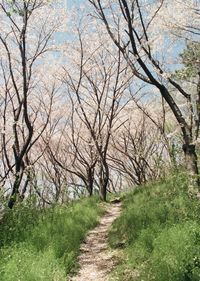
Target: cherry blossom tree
136, 29
25, 37
95, 80
140, 151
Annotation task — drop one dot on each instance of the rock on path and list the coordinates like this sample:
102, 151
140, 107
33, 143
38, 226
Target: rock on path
95, 260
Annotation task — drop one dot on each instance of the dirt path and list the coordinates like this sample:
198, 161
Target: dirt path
95, 260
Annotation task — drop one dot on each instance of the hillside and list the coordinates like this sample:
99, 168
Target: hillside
158, 233
42, 245
156, 237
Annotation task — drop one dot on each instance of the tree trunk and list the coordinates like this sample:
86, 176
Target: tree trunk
15, 192
104, 178
103, 191
191, 158
90, 183
90, 188
191, 163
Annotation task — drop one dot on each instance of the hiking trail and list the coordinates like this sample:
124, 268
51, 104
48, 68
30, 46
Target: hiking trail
95, 259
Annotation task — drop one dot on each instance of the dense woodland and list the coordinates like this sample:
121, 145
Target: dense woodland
97, 97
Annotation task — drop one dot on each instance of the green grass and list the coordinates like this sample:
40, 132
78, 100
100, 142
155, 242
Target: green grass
43, 245
158, 233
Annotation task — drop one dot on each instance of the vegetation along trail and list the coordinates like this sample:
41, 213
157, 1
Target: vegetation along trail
95, 260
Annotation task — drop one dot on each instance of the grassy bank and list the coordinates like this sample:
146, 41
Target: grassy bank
158, 233
43, 246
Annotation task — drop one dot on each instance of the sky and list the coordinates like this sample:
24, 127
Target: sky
71, 3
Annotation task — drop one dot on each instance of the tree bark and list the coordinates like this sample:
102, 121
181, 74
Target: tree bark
103, 191
90, 188
191, 159
15, 192
90, 181
104, 178
191, 164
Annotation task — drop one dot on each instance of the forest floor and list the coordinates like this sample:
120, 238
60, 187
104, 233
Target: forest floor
96, 259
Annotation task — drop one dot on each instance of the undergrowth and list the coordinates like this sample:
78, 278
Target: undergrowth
158, 233
43, 245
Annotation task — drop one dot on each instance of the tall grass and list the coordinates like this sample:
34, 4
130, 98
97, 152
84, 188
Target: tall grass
159, 231
43, 245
